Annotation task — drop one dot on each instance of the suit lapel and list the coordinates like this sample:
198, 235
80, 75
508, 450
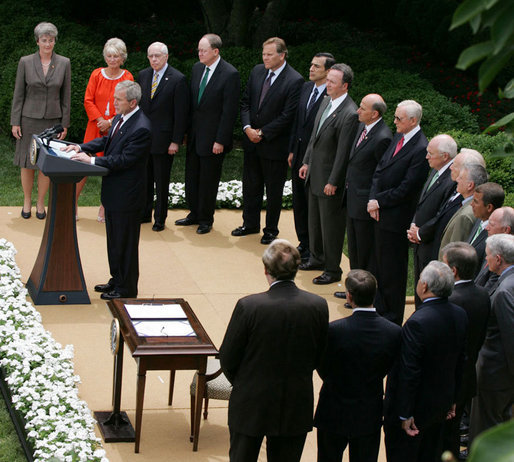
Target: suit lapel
113, 142
216, 75
275, 86
38, 68
163, 82
330, 119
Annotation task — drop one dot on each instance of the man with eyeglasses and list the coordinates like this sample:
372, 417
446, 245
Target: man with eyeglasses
165, 101
397, 183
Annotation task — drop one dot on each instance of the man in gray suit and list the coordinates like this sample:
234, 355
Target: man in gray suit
324, 169
495, 365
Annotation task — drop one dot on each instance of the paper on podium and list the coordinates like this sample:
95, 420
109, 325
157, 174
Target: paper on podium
164, 328
55, 148
156, 311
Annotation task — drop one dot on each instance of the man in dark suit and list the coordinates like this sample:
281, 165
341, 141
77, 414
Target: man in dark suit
462, 260
273, 343
214, 103
421, 392
361, 350
441, 151
495, 365
126, 148
324, 170
311, 96
397, 182
486, 198
268, 107
165, 101
372, 139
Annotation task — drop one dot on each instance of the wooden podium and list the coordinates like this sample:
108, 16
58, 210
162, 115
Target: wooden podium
57, 276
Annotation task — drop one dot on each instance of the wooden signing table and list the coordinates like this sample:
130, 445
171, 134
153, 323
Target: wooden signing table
162, 334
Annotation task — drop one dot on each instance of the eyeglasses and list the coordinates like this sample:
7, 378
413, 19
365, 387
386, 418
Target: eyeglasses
155, 55
398, 119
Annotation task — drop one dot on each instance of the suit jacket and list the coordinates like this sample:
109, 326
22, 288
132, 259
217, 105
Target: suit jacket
329, 148
303, 124
275, 116
168, 110
361, 166
476, 303
479, 243
426, 382
125, 156
39, 96
459, 226
398, 180
213, 118
273, 343
361, 350
495, 366
485, 278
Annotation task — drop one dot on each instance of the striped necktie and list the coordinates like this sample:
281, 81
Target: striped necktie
203, 84
155, 81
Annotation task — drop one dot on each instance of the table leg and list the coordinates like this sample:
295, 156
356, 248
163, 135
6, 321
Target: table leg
200, 390
172, 385
140, 396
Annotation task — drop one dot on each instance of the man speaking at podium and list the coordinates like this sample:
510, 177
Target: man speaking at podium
126, 149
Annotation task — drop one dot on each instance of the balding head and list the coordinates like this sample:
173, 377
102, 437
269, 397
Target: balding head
501, 221
372, 107
441, 150
466, 156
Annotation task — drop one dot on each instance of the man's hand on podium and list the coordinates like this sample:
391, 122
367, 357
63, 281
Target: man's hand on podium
80, 156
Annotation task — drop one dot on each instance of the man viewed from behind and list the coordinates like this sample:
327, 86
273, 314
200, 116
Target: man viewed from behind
273, 343
360, 351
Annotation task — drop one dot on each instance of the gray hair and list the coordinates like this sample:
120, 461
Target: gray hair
380, 106
463, 257
45, 28
446, 144
281, 260
162, 46
116, 47
472, 156
507, 219
347, 72
412, 108
214, 41
133, 90
476, 173
438, 278
502, 245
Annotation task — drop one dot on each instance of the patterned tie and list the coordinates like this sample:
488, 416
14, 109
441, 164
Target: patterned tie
433, 180
398, 146
154, 84
117, 129
203, 84
363, 135
312, 101
324, 116
265, 87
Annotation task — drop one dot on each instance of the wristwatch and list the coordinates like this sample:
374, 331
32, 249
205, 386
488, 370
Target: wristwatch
259, 133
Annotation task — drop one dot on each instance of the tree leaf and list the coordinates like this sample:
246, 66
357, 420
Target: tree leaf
500, 123
508, 91
469, 9
494, 444
473, 54
501, 30
474, 22
491, 66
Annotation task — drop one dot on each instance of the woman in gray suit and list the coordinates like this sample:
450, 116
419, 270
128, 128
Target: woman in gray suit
41, 99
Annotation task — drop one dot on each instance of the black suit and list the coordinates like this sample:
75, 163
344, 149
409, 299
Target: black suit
361, 350
362, 164
300, 136
265, 163
429, 204
273, 343
486, 278
122, 195
425, 383
168, 112
212, 121
396, 185
478, 243
476, 303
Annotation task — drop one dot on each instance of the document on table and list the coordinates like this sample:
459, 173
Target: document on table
56, 146
164, 328
156, 311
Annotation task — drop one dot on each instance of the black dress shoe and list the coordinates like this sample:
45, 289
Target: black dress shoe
104, 287
41, 215
308, 266
146, 220
463, 455
203, 229
267, 238
110, 295
244, 231
25, 215
326, 278
157, 227
347, 305
340, 295
186, 222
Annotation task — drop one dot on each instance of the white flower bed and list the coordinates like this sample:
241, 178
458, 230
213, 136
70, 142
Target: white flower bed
230, 195
39, 373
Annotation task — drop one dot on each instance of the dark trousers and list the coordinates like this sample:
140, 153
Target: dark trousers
257, 173
451, 433
300, 207
122, 229
331, 447
327, 223
361, 244
158, 171
244, 448
392, 257
426, 446
203, 175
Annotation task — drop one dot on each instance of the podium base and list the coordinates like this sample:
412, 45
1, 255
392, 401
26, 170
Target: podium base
115, 427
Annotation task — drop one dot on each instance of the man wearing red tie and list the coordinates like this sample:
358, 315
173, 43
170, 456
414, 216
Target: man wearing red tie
396, 185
